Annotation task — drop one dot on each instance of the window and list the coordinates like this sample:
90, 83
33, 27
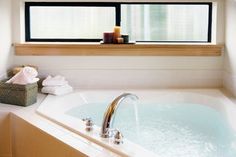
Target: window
69, 21
144, 22
166, 22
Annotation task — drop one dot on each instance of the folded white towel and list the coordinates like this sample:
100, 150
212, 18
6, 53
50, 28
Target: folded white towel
57, 90
27, 75
54, 81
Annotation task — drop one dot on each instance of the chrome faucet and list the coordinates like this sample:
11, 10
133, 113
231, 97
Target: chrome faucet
110, 113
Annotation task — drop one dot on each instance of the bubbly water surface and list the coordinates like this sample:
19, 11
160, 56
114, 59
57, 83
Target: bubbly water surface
169, 130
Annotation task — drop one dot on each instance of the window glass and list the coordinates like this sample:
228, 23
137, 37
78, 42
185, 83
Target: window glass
165, 22
64, 22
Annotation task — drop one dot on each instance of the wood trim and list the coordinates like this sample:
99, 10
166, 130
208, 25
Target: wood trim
69, 49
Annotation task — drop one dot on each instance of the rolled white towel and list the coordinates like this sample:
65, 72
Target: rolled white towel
54, 81
57, 90
27, 75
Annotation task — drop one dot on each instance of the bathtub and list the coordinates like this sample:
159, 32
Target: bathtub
162, 123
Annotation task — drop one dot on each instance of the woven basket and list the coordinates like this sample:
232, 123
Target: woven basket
21, 95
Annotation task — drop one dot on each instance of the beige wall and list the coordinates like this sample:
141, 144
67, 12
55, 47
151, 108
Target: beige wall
129, 72
29, 141
5, 36
230, 43
5, 135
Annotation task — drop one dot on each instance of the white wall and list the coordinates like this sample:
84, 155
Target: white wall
5, 57
230, 42
5, 36
129, 72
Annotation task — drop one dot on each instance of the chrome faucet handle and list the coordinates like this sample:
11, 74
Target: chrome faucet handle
118, 137
88, 124
108, 133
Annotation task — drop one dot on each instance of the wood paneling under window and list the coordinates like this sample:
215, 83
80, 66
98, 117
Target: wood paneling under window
69, 49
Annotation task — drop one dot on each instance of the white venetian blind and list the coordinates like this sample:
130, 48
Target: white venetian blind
169, 22
71, 22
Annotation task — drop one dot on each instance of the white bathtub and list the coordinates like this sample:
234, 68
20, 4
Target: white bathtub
56, 109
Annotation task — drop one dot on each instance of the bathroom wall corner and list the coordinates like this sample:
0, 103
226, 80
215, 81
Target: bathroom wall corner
229, 80
5, 37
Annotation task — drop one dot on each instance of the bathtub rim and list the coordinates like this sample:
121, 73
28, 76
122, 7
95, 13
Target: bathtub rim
215, 93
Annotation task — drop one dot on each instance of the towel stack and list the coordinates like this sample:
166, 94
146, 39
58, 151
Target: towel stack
56, 85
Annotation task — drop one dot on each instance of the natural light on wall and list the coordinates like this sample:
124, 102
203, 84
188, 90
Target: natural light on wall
71, 22
165, 22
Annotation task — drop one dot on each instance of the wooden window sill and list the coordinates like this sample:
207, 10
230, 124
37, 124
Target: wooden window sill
96, 49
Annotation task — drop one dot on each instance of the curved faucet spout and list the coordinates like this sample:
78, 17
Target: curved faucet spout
110, 112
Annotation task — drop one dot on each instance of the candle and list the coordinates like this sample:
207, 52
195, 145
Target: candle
120, 40
108, 37
125, 37
116, 33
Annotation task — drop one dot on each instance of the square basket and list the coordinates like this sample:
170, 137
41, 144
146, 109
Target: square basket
21, 95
